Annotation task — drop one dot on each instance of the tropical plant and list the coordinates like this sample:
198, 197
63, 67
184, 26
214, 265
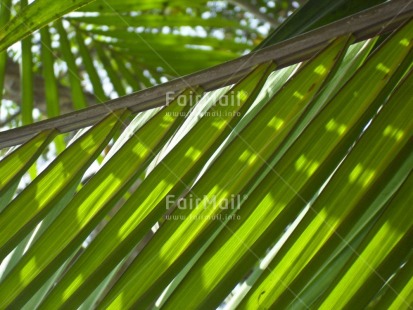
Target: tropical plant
108, 49
281, 179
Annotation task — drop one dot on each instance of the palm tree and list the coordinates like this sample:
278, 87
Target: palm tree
278, 179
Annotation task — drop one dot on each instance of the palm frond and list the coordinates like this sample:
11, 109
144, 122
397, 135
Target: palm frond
281, 184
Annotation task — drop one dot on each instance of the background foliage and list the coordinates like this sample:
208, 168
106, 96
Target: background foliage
320, 154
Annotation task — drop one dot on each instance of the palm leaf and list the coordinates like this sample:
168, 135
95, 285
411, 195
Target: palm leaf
308, 169
131, 35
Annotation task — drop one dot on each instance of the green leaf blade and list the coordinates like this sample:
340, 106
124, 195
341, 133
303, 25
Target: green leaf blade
253, 146
39, 13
